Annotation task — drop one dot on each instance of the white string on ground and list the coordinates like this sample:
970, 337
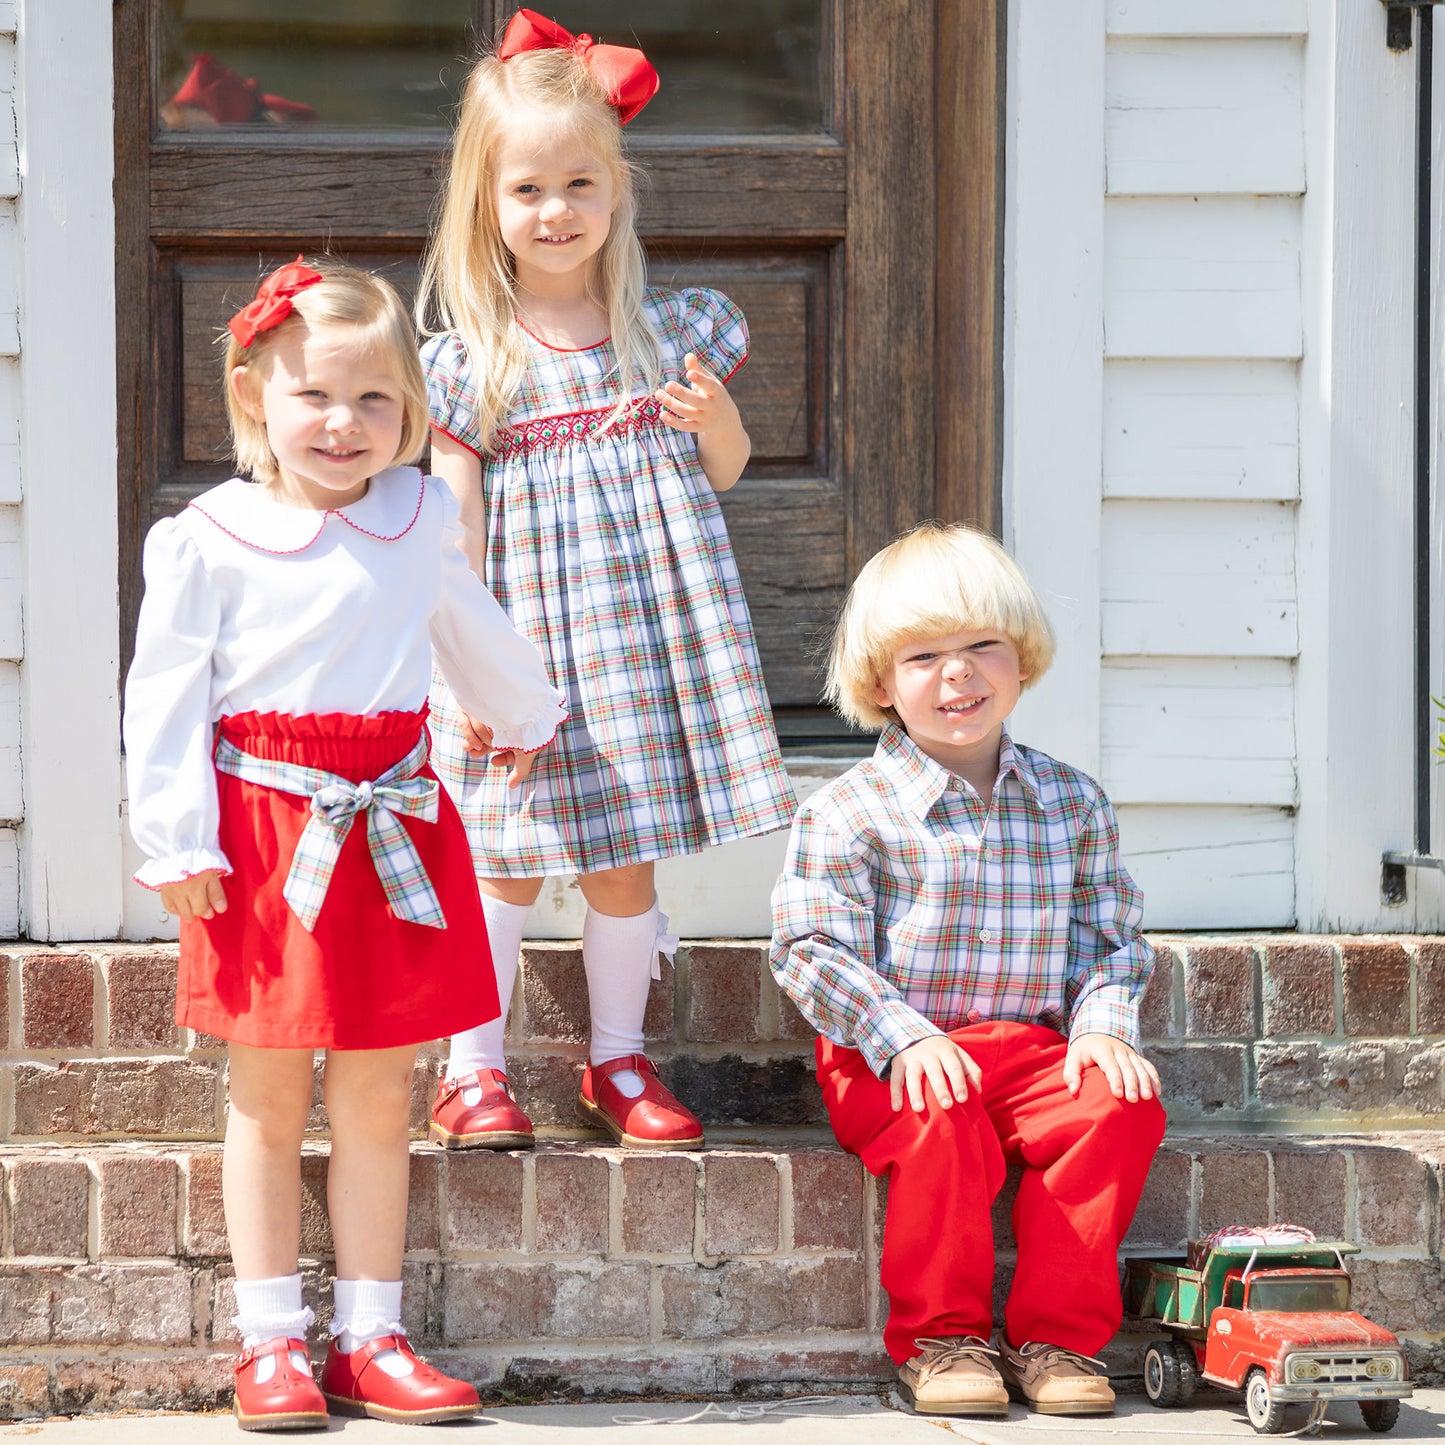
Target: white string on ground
743, 1411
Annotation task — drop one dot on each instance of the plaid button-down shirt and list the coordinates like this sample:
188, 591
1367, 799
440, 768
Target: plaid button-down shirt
906, 909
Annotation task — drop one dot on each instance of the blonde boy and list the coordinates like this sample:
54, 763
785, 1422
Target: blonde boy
955, 921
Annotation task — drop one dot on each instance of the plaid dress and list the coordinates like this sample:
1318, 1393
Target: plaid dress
608, 550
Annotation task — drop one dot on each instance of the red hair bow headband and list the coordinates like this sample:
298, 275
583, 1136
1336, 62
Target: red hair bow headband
625, 75
273, 301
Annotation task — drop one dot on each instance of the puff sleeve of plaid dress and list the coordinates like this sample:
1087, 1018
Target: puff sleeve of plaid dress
606, 545
906, 909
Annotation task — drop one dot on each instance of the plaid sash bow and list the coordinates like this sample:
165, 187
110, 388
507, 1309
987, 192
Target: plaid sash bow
335, 802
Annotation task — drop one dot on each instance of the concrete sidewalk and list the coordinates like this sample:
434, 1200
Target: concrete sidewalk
811, 1421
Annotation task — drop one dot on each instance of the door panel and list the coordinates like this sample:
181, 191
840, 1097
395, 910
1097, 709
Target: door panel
818, 172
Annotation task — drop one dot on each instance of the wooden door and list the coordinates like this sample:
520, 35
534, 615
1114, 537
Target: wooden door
834, 166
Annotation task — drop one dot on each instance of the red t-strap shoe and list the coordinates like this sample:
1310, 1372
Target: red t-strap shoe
356, 1385
653, 1120
289, 1400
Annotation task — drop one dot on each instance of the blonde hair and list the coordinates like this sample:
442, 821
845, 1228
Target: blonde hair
345, 298
933, 580
468, 282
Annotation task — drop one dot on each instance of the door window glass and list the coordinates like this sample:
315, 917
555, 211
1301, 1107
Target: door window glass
749, 65
268, 64
391, 65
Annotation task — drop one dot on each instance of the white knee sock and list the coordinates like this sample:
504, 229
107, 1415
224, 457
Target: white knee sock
266, 1308
620, 959
484, 1046
367, 1309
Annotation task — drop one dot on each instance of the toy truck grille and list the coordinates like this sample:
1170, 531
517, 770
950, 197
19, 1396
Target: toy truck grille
1309, 1368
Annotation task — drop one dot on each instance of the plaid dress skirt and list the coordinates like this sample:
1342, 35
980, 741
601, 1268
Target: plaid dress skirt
363, 978
607, 547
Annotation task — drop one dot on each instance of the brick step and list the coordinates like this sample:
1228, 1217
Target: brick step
1248, 1032
574, 1268
92, 1051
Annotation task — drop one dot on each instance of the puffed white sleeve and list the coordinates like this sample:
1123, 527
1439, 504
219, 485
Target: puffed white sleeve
496, 675
171, 780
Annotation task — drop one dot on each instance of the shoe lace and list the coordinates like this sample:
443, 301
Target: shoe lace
1049, 1355
939, 1352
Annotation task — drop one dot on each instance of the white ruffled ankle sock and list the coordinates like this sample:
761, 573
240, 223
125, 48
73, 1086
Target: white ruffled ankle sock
365, 1310
266, 1308
484, 1047
619, 956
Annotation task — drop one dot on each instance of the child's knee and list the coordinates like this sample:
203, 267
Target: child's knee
1135, 1127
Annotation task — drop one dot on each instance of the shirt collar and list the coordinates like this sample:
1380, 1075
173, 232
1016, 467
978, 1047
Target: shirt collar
242, 510
921, 782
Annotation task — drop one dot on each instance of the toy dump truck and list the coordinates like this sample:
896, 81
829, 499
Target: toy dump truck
1267, 1313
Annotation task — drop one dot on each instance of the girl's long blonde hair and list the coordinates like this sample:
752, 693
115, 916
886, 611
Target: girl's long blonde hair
468, 281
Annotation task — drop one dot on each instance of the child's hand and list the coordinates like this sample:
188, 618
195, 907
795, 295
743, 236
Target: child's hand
199, 896
1130, 1075
702, 406
476, 737
519, 762
938, 1059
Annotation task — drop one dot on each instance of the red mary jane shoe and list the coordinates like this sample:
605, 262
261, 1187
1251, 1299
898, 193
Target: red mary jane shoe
653, 1120
355, 1385
493, 1122
289, 1400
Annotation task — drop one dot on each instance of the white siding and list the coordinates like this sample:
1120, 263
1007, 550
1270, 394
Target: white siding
1199, 730
1201, 276
1223, 430
1204, 579
1203, 335
1195, 116
1200, 865
9, 154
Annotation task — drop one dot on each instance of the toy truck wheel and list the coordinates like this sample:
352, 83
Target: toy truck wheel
1380, 1415
1265, 1413
1188, 1371
1167, 1380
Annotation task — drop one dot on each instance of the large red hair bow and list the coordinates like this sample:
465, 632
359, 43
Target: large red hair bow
625, 75
273, 301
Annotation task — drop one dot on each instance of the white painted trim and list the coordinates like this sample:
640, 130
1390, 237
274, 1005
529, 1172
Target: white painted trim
70, 841
1355, 576
1054, 351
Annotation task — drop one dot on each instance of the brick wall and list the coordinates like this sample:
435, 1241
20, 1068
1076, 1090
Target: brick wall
1300, 1032
750, 1265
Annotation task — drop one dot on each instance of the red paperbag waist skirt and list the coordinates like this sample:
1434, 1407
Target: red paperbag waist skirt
363, 978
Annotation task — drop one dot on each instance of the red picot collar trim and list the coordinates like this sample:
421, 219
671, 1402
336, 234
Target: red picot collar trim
244, 512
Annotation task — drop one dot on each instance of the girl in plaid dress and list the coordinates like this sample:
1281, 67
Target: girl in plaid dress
276, 743
583, 420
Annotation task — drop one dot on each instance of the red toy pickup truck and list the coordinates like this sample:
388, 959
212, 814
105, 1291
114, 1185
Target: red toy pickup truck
1268, 1312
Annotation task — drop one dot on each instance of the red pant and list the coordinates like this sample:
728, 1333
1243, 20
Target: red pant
1085, 1160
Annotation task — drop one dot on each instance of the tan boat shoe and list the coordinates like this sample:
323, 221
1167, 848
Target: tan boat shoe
1054, 1381
954, 1376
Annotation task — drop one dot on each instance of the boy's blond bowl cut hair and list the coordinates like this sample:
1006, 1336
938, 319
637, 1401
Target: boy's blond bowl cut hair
933, 580
370, 312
